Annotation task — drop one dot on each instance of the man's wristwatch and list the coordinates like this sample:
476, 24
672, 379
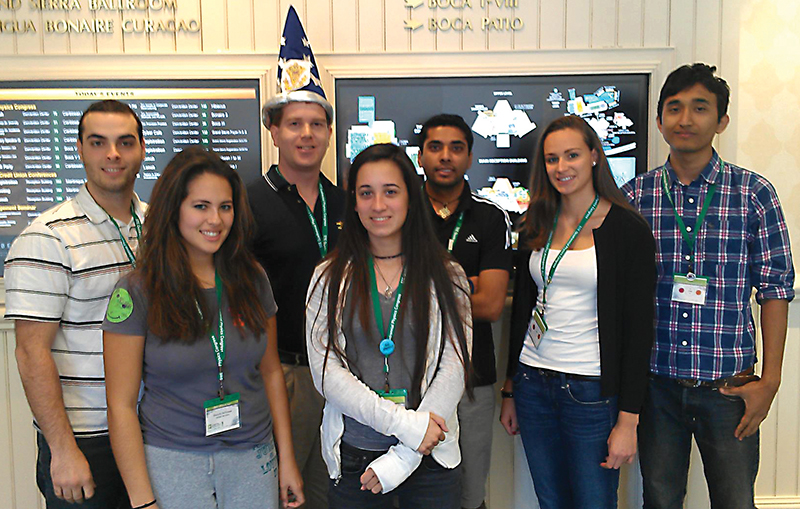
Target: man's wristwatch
506, 394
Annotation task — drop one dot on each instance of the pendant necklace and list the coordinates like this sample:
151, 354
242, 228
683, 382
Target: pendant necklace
388, 291
444, 212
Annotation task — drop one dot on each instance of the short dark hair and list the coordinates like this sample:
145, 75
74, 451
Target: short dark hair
111, 106
446, 120
276, 114
687, 76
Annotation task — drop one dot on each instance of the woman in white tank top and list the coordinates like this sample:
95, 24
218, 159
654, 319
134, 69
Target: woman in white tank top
582, 323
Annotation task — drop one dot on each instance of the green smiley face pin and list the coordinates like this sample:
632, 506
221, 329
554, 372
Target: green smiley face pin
120, 306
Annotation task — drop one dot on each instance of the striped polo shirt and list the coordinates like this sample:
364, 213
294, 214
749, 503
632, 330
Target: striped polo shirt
63, 268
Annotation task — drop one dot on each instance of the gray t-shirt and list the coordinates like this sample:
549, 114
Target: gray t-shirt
178, 377
366, 363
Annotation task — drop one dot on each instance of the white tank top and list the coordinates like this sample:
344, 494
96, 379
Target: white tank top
571, 343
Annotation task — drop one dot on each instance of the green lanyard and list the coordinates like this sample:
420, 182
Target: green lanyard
452, 242
690, 238
137, 225
548, 278
218, 342
322, 238
386, 345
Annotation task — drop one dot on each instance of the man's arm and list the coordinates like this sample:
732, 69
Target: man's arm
758, 396
489, 298
72, 479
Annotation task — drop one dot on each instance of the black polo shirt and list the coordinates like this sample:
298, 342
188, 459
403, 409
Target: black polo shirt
286, 247
483, 243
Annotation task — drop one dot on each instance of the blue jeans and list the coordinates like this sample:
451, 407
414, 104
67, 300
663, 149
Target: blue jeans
109, 490
430, 486
564, 425
671, 416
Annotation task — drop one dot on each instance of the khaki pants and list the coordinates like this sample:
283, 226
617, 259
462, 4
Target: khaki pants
305, 407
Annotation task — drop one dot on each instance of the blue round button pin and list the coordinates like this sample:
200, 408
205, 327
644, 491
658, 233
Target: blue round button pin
386, 347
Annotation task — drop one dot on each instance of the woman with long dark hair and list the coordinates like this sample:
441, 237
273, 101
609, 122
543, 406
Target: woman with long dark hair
195, 321
581, 325
388, 328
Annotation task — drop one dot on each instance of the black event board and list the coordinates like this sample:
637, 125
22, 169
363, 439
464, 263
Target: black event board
505, 113
39, 162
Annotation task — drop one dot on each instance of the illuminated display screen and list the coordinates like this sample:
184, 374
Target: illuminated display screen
505, 114
39, 162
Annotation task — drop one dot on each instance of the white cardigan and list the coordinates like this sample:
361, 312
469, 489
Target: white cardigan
346, 395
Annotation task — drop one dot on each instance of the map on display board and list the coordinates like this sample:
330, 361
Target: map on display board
39, 162
505, 115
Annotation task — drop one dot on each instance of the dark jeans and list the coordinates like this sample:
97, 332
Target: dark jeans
671, 416
565, 424
109, 491
430, 486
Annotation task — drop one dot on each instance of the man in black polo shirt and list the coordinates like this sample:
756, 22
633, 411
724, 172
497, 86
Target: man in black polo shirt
298, 213
477, 233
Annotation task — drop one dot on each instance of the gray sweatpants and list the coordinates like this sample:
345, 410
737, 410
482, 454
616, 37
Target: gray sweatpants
229, 479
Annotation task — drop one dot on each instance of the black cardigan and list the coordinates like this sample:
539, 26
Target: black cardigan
626, 279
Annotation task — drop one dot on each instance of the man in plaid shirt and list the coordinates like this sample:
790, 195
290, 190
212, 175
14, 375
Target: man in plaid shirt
720, 233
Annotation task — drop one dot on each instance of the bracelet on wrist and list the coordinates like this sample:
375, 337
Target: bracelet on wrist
507, 394
146, 505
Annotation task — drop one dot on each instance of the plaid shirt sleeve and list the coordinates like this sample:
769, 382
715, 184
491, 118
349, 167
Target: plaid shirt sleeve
770, 256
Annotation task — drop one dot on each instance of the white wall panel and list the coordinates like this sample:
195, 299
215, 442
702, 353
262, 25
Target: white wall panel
528, 37
604, 23
81, 43
656, 23
423, 39
240, 26
499, 39
630, 23
450, 39
708, 24
552, 24
682, 29
318, 25
28, 43
579, 17
212, 13
345, 28
371, 23
398, 38
111, 43
477, 39
188, 43
135, 42
54, 44
268, 26
165, 42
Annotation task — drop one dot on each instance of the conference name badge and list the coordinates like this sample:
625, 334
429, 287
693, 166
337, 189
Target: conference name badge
222, 414
396, 396
689, 288
537, 328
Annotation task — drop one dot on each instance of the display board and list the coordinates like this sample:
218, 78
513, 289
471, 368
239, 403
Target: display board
505, 114
39, 162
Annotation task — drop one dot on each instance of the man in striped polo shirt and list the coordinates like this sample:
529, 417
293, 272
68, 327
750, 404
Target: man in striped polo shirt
59, 275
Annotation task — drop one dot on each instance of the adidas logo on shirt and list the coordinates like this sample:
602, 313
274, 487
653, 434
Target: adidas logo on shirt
471, 239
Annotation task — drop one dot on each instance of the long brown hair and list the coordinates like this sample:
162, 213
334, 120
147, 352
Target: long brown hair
538, 220
173, 291
426, 261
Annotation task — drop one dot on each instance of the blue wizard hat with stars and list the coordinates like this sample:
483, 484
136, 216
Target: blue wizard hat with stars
298, 76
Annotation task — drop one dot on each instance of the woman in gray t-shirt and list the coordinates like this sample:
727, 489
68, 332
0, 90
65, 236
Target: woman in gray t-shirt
194, 325
388, 333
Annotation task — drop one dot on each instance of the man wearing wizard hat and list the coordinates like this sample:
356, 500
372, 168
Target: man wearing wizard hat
298, 212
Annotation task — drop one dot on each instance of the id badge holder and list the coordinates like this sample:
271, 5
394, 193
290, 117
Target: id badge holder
396, 396
537, 328
222, 414
689, 288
